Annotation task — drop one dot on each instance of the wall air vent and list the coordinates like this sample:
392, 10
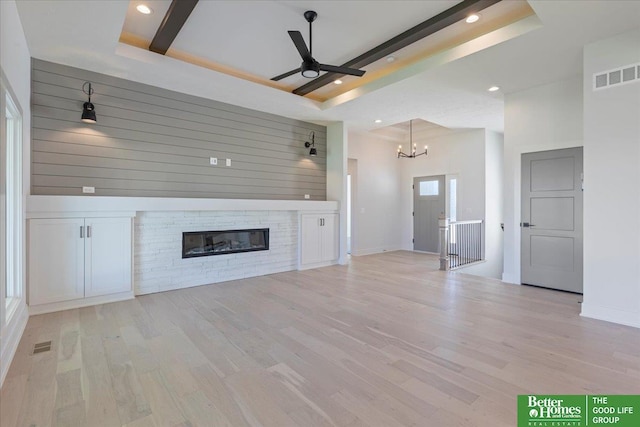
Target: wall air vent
616, 77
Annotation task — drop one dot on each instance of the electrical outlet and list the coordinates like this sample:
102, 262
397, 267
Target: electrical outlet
228, 162
88, 189
306, 196
213, 161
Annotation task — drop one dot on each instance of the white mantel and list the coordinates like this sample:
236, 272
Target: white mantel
38, 205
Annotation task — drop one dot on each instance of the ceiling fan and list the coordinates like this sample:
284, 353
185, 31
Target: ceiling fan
311, 68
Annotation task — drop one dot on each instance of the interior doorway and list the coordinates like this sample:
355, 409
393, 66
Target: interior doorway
551, 227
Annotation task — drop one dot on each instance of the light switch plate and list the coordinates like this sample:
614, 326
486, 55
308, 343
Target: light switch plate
213, 161
88, 189
306, 196
228, 162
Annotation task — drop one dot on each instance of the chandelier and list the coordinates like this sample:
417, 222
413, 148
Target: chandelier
413, 153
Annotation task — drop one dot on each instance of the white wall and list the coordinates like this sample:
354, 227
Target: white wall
460, 153
15, 62
612, 174
376, 213
542, 118
337, 179
493, 215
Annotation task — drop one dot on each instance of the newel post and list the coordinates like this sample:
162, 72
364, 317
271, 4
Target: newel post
443, 223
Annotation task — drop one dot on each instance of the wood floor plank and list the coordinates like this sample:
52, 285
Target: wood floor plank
127, 391
100, 403
164, 408
387, 340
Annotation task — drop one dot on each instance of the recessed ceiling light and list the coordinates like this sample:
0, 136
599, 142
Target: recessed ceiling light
391, 58
143, 8
493, 88
378, 121
338, 82
472, 18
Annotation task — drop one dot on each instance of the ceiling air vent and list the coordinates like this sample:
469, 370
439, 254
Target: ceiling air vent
617, 77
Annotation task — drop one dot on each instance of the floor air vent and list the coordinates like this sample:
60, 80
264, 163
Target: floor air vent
616, 77
41, 347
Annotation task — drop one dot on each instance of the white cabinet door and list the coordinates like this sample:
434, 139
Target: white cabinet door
56, 260
310, 239
329, 237
319, 238
107, 256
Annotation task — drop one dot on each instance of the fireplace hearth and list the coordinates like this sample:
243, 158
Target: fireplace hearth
208, 243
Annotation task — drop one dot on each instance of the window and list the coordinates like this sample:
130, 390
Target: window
429, 188
11, 159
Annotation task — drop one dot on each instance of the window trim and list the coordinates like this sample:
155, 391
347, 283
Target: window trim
12, 289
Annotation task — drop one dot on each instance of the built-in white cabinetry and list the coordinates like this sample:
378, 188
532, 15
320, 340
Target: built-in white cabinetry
75, 262
318, 240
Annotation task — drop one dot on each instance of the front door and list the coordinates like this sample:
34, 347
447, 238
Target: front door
551, 228
428, 205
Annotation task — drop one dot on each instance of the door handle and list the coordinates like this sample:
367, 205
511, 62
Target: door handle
526, 224
82, 231
88, 231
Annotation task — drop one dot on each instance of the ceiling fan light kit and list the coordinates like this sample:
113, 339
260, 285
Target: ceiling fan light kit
310, 68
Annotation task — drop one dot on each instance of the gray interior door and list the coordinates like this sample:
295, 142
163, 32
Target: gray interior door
428, 204
551, 227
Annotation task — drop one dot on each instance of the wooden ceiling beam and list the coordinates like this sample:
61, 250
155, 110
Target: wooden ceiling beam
171, 25
432, 25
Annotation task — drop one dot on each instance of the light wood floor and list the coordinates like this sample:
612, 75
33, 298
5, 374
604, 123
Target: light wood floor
385, 341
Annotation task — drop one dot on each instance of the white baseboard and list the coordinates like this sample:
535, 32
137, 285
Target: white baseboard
628, 318
12, 339
509, 278
371, 251
78, 303
316, 265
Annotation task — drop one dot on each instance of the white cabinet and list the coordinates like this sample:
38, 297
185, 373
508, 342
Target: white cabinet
318, 240
76, 259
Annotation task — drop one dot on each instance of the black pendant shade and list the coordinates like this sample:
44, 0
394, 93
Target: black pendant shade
88, 113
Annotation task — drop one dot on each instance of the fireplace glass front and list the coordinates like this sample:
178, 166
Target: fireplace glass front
207, 243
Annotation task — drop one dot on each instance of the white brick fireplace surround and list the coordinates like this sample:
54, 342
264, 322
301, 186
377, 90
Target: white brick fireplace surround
156, 262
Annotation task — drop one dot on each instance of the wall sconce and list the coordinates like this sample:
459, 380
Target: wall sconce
312, 143
88, 110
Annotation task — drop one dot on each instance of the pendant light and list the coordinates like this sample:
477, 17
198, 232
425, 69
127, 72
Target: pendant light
413, 154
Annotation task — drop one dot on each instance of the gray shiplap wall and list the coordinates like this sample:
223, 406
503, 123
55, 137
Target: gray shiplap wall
155, 142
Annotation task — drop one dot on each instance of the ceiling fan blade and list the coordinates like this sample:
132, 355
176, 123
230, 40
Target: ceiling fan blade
285, 75
297, 39
342, 70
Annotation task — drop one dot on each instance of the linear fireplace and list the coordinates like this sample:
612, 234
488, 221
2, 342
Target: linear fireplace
207, 243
